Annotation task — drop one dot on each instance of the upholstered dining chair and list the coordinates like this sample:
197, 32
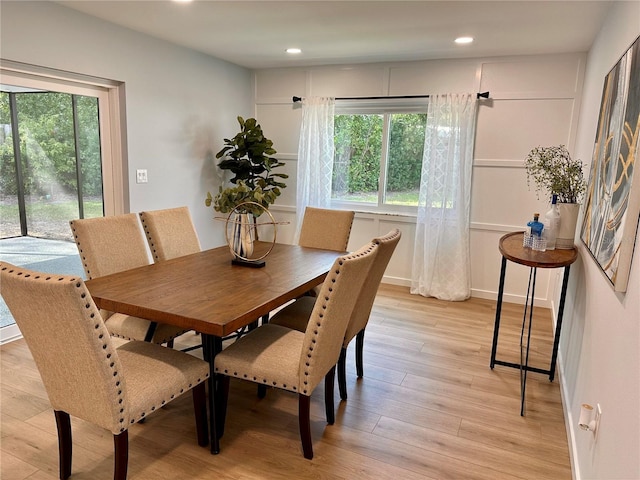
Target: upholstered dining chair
297, 314
325, 228
85, 374
170, 233
297, 361
110, 245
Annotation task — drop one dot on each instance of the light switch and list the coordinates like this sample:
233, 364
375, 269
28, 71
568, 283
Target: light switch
141, 176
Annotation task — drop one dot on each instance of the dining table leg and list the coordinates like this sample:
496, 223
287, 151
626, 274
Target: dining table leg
211, 346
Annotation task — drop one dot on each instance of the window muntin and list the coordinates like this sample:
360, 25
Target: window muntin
404, 159
358, 154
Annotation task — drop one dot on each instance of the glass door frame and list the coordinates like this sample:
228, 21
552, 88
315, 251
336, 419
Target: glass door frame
110, 96
111, 105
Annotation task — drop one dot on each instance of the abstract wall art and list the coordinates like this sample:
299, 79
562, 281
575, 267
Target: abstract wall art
612, 206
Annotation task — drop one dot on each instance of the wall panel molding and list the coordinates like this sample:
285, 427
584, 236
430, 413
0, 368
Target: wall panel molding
499, 163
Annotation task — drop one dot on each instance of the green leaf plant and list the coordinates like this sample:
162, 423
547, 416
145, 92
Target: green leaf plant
248, 156
554, 171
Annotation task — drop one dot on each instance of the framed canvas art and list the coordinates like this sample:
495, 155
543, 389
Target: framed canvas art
612, 206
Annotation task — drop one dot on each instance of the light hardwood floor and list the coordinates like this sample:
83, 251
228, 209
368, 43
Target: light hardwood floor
428, 407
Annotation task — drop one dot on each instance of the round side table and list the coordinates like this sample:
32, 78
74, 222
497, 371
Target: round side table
511, 248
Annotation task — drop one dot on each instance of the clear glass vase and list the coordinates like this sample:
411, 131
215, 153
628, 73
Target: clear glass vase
243, 235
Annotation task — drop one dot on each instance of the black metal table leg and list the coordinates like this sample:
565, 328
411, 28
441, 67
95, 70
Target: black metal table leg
496, 327
211, 346
524, 365
556, 340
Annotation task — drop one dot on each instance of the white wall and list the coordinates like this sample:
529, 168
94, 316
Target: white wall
600, 348
535, 100
180, 104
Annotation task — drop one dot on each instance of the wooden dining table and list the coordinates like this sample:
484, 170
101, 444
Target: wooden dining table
206, 293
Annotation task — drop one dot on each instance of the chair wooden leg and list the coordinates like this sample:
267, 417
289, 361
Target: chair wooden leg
329, 381
200, 409
63, 422
342, 373
359, 348
121, 444
304, 407
221, 402
262, 390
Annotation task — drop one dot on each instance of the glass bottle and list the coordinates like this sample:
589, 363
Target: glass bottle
552, 223
536, 227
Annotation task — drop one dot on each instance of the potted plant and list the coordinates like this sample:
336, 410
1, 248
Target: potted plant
255, 186
554, 172
247, 156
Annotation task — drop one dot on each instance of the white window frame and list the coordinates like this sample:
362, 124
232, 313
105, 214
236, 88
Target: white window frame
110, 96
383, 107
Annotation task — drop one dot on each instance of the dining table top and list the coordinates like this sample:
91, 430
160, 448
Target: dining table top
206, 293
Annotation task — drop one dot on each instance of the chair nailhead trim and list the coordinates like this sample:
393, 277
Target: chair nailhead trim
327, 299
101, 332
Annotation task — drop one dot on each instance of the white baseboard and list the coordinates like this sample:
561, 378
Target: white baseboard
569, 422
403, 282
9, 334
509, 298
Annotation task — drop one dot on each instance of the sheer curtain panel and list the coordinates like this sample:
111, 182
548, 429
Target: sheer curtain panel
441, 265
315, 156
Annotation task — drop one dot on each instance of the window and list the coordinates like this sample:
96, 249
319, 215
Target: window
378, 155
56, 175
110, 104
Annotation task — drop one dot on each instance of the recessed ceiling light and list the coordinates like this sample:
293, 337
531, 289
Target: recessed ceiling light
293, 51
464, 40
183, 1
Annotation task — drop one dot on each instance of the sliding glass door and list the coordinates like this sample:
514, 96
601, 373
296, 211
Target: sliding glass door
50, 162
62, 157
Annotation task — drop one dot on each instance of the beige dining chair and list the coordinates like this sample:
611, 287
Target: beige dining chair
110, 245
170, 233
297, 361
297, 314
325, 228
85, 375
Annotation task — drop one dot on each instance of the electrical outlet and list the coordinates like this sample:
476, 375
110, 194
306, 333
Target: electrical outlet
141, 176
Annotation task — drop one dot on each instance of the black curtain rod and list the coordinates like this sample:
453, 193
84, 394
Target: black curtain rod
479, 95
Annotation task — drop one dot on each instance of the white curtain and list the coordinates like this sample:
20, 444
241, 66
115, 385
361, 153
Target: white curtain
315, 156
441, 264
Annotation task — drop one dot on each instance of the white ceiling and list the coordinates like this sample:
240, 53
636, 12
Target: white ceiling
255, 34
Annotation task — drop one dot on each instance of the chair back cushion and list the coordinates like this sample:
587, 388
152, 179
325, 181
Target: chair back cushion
326, 229
78, 363
170, 233
110, 244
362, 310
331, 313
